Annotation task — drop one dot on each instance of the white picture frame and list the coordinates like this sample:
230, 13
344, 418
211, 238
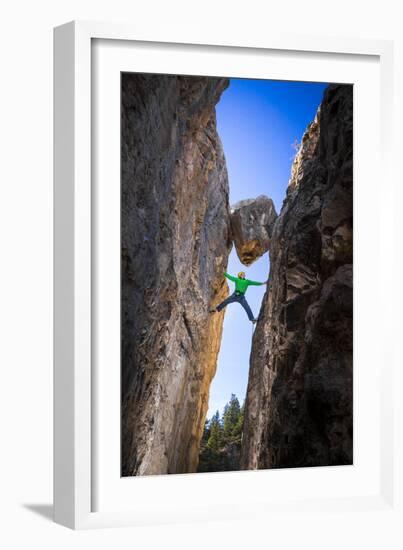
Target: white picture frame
77, 473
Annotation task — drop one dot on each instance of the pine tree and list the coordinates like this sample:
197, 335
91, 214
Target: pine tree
221, 441
239, 425
215, 439
206, 433
231, 416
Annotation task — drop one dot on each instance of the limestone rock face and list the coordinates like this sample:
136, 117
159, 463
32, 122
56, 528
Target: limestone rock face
175, 240
299, 398
252, 222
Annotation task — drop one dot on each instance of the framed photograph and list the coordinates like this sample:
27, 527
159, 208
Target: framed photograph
220, 252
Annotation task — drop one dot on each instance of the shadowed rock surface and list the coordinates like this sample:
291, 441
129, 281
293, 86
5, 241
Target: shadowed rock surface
252, 222
175, 245
299, 400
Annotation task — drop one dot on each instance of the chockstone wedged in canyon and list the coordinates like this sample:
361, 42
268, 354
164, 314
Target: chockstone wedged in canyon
177, 232
252, 222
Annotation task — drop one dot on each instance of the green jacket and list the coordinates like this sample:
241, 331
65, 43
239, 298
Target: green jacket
241, 285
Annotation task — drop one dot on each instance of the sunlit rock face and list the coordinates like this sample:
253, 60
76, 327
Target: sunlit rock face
299, 398
175, 238
252, 222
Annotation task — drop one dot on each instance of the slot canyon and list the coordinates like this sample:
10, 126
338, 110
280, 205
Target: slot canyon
177, 230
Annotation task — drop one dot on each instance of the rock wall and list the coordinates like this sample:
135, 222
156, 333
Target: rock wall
175, 245
299, 398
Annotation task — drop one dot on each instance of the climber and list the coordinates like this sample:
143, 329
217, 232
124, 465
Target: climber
241, 286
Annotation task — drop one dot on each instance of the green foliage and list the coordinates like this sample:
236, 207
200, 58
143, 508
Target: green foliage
221, 442
215, 428
231, 416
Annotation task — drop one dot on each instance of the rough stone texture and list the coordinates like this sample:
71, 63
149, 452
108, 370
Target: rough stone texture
299, 398
175, 244
252, 222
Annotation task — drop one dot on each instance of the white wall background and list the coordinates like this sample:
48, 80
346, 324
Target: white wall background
26, 267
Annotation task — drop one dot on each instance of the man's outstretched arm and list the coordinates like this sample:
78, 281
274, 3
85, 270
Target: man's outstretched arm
230, 277
256, 283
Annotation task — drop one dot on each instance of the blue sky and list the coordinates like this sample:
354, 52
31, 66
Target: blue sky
258, 121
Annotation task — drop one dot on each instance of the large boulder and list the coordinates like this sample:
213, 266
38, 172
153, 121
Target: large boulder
252, 222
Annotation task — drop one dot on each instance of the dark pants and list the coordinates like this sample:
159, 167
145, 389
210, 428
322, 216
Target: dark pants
240, 298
